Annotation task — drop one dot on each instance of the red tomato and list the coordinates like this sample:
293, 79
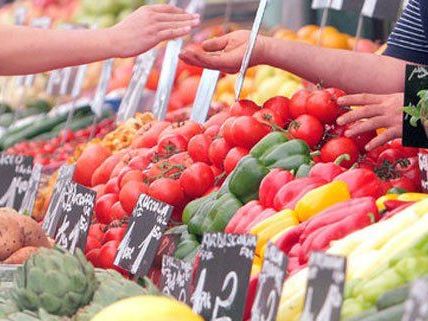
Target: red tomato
176, 102
107, 255
298, 103
112, 186
198, 148
233, 157
226, 130
91, 244
118, 168
216, 171
269, 117
92, 157
189, 129
97, 231
212, 131
92, 256
247, 131
134, 175
404, 183
217, 119
139, 162
149, 137
197, 179
337, 147
375, 153
406, 151
218, 151
172, 144
114, 234
188, 88
336, 93
181, 159
130, 193
280, 105
100, 190
307, 128
152, 81
390, 155
244, 108
361, 140
323, 106
167, 190
103, 208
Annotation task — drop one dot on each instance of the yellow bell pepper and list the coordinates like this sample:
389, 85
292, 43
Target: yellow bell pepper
412, 197
256, 268
380, 202
321, 198
271, 226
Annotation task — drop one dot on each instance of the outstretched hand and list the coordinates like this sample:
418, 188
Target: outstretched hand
374, 112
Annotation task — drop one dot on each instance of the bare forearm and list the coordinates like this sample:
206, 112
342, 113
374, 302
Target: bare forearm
351, 71
26, 50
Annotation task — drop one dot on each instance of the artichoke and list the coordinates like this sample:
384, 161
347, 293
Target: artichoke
56, 281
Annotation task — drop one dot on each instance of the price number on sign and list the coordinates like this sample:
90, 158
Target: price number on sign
176, 276
227, 260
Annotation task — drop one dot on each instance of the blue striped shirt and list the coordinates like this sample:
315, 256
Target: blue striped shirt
409, 39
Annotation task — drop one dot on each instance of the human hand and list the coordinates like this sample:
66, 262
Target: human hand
225, 53
148, 26
374, 112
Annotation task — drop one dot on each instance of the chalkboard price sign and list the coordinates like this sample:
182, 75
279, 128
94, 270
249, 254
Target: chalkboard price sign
176, 277
31, 193
143, 236
324, 294
15, 173
269, 287
53, 213
416, 307
77, 204
223, 274
382, 9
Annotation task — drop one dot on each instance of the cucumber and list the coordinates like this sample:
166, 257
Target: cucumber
45, 136
363, 315
40, 105
393, 313
394, 297
6, 119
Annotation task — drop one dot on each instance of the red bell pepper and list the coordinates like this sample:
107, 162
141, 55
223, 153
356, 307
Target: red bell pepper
240, 215
397, 210
363, 182
290, 238
291, 193
328, 171
271, 184
339, 212
261, 217
253, 214
251, 296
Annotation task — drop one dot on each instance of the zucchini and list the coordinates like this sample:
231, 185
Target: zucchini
363, 315
393, 313
40, 105
6, 119
393, 297
45, 136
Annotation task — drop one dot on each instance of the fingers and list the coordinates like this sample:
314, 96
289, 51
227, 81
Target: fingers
170, 34
176, 25
197, 58
164, 8
388, 135
216, 44
168, 17
368, 125
360, 100
359, 114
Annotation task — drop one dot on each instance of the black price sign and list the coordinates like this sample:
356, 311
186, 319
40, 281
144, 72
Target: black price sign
415, 118
223, 274
15, 172
423, 167
416, 307
31, 193
145, 230
269, 287
53, 214
324, 294
176, 277
77, 204
382, 9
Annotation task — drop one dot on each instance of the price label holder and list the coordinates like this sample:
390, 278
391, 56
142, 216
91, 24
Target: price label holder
382, 9
8, 275
77, 204
250, 47
176, 276
324, 293
31, 193
416, 306
415, 116
20, 15
223, 274
53, 213
204, 95
269, 287
145, 230
423, 167
15, 171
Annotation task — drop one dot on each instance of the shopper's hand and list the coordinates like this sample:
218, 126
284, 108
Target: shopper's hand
148, 26
224, 53
374, 112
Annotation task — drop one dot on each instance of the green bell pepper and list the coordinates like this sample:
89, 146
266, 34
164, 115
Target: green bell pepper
303, 170
187, 246
281, 152
196, 223
267, 143
246, 178
222, 212
191, 208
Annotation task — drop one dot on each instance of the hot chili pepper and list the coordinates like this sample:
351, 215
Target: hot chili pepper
321, 198
246, 178
295, 150
267, 143
292, 192
328, 171
339, 212
251, 216
290, 238
241, 215
271, 184
362, 182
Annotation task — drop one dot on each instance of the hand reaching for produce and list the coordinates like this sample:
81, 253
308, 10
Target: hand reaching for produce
374, 112
33, 50
224, 53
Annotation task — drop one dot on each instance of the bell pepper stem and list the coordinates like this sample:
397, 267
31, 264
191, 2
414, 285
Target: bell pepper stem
315, 153
344, 157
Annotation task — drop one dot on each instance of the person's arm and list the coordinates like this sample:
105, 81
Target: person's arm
27, 50
350, 71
